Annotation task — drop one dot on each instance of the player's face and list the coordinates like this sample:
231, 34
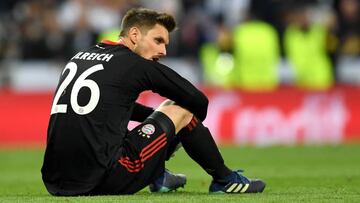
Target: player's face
152, 44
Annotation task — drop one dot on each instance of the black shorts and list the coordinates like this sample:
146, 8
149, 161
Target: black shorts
141, 159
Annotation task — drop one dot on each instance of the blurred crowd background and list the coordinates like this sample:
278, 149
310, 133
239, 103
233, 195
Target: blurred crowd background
254, 45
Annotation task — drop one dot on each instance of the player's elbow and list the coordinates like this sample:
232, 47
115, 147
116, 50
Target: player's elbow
202, 103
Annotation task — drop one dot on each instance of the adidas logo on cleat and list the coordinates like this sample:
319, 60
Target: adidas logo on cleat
236, 187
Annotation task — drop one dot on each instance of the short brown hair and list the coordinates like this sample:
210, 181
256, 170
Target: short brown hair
145, 19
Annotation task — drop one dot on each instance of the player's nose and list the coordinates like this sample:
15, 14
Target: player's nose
162, 50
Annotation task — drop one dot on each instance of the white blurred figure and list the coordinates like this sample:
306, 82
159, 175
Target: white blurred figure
172, 7
234, 11
99, 14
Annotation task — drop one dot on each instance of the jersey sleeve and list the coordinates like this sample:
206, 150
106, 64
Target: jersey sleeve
166, 82
141, 112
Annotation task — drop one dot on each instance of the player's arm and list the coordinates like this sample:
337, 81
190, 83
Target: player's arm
141, 112
171, 85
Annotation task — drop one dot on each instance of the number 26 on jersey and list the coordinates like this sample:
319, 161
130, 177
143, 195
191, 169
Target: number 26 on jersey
80, 82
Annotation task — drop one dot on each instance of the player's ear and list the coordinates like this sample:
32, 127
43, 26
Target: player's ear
134, 35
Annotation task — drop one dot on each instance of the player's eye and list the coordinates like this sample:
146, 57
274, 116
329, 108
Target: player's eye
158, 40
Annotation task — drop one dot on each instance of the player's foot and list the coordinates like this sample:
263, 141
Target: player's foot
236, 183
168, 182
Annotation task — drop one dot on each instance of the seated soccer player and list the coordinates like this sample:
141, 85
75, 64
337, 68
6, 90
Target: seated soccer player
89, 149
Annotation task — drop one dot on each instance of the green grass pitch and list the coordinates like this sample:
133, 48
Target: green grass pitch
292, 174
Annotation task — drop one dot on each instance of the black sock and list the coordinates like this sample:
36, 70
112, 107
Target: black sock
173, 146
201, 147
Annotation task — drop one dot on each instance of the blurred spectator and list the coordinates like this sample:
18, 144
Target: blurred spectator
55, 40
193, 32
216, 51
83, 20
272, 12
346, 41
257, 54
348, 27
216, 56
39, 34
233, 11
253, 66
98, 15
305, 48
56, 29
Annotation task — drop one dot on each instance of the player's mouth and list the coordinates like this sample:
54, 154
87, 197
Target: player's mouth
155, 58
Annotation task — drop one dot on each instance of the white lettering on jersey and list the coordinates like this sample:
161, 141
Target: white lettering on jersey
107, 57
86, 54
93, 56
77, 55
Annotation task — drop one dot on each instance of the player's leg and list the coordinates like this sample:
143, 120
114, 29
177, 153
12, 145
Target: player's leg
180, 117
176, 143
201, 147
196, 139
141, 160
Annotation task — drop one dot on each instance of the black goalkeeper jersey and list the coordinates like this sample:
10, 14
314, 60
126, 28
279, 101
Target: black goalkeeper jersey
93, 103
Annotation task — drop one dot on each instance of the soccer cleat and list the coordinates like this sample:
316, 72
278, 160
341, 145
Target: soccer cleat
168, 182
236, 183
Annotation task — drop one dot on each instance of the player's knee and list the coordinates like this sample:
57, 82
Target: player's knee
167, 103
178, 115
187, 117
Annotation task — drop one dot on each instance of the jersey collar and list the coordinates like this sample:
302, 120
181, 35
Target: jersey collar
105, 41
